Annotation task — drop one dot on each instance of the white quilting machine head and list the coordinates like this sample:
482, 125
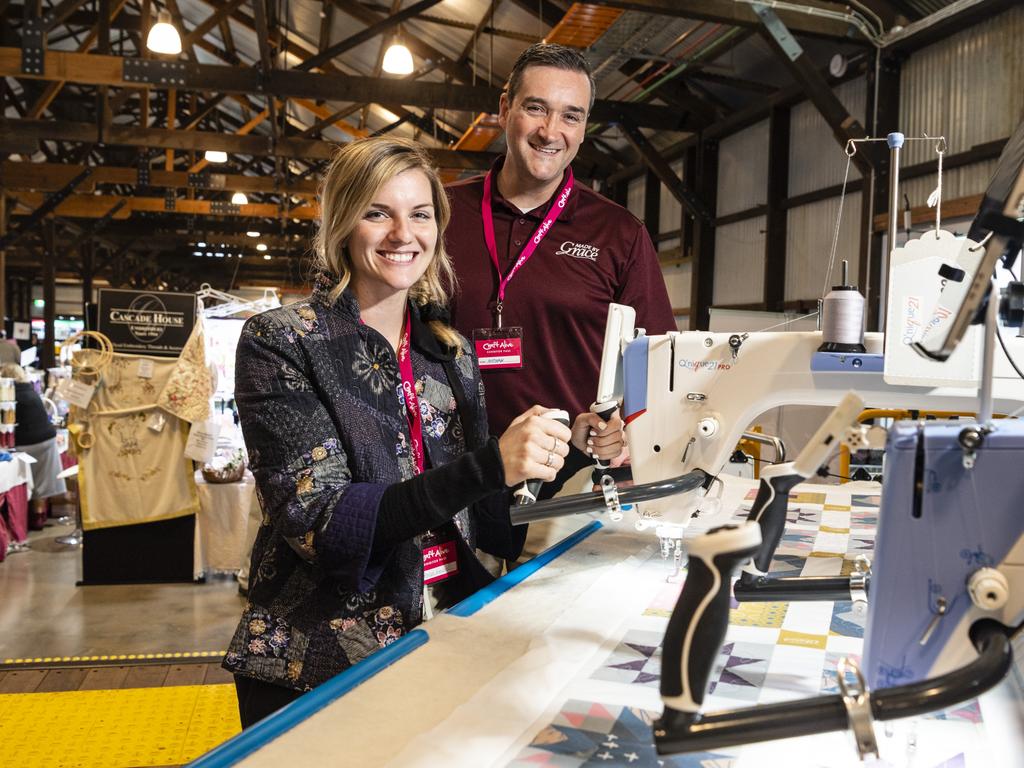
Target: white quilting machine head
688, 397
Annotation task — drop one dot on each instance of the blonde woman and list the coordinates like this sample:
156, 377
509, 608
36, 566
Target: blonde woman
363, 414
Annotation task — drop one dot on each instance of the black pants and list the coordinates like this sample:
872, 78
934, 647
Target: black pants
257, 699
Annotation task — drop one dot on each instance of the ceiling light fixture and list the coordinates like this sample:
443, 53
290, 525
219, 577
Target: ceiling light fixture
239, 198
261, 246
163, 37
397, 59
266, 257
215, 156
253, 233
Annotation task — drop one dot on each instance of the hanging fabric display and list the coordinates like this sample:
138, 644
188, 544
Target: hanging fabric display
130, 435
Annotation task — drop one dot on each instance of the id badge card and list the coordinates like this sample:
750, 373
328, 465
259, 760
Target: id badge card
499, 348
440, 561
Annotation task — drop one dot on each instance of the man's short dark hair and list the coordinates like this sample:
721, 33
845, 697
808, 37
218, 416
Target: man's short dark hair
550, 55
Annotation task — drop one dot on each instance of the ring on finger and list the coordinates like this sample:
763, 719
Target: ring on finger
551, 458
554, 445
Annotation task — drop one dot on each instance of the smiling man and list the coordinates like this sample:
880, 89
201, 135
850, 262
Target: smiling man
539, 256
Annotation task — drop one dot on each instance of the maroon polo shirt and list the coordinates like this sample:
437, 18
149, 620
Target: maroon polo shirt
596, 253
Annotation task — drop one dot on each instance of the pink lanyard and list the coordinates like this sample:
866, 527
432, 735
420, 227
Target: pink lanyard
412, 405
549, 219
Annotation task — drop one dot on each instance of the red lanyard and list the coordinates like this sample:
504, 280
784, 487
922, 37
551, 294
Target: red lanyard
412, 405
549, 219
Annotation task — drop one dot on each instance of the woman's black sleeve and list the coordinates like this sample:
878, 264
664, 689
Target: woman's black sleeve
432, 498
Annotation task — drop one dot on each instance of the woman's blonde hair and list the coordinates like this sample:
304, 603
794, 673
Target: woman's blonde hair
356, 174
13, 371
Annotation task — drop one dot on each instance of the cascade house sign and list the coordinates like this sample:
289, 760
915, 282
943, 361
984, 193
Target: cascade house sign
146, 322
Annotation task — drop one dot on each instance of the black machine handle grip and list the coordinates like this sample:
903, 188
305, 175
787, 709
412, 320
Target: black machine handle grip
701, 616
769, 510
605, 410
527, 493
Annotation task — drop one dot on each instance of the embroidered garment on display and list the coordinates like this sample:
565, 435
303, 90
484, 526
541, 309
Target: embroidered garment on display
180, 386
133, 467
133, 474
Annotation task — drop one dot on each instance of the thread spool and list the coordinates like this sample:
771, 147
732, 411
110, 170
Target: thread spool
842, 318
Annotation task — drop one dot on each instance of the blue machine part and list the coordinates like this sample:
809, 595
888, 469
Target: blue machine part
634, 378
938, 523
850, 362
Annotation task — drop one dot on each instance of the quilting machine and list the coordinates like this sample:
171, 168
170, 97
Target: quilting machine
950, 557
949, 563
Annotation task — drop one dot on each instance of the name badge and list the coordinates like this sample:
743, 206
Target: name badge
440, 561
499, 348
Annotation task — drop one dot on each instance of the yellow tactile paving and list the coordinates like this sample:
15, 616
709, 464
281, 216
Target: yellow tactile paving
116, 728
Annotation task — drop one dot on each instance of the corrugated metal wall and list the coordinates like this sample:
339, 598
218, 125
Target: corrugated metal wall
635, 195
743, 169
677, 277
739, 262
816, 160
670, 217
809, 232
969, 88
677, 280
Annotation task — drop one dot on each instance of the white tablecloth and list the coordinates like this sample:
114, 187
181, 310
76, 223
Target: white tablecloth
13, 473
221, 524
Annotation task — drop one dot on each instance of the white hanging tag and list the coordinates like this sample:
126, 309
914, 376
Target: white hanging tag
24, 457
78, 393
914, 290
145, 368
157, 422
202, 440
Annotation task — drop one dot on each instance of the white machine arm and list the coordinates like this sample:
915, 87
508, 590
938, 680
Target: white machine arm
689, 396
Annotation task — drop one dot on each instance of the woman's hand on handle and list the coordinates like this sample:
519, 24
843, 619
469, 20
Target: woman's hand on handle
598, 438
533, 447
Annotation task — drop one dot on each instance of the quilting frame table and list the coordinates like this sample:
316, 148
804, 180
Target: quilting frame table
557, 664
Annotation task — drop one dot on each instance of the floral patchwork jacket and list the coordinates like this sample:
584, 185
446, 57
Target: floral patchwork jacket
321, 406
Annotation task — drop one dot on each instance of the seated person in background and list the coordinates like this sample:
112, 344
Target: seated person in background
363, 414
36, 436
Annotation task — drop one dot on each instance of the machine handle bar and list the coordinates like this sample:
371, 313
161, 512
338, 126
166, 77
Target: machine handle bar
595, 502
680, 732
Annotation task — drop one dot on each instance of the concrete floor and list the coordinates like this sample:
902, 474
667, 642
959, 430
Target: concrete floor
43, 613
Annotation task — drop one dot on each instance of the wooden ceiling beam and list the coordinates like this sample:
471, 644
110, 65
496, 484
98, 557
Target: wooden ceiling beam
50, 177
18, 132
94, 69
53, 88
98, 206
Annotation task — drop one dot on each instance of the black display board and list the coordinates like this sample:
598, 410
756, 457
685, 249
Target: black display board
146, 322
147, 553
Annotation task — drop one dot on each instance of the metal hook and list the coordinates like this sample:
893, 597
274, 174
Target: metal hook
851, 148
940, 142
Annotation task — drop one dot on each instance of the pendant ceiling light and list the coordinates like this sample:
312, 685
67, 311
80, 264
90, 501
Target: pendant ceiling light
215, 156
163, 37
397, 59
239, 198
